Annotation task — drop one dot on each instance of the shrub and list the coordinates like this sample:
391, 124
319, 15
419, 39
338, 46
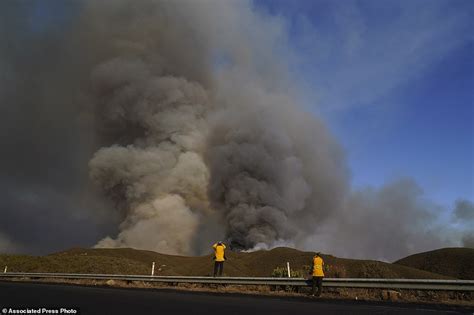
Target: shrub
337, 271
281, 272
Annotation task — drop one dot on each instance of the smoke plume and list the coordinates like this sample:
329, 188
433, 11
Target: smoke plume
463, 216
193, 129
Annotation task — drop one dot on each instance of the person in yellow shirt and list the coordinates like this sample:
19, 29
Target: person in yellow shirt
219, 258
318, 274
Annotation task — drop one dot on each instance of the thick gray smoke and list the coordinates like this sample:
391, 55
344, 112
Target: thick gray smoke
275, 174
193, 130
463, 214
184, 149
158, 178
392, 221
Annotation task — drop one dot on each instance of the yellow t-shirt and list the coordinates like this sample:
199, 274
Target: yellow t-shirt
318, 264
219, 251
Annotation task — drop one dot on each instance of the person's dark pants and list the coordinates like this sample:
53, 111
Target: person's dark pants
317, 282
218, 268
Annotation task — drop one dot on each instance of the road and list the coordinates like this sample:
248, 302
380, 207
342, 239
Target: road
100, 300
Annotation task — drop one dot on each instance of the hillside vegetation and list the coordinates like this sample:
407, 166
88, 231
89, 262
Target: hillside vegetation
451, 262
259, 263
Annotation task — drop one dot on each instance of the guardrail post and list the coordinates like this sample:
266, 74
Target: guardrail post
289, 272
5, 270
153, 269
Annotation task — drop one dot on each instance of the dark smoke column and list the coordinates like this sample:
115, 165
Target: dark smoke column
257, 159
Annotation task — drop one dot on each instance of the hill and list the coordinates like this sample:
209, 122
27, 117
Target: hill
451, 262
71, 264
259, 263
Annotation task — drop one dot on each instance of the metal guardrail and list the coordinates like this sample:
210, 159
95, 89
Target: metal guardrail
411, 284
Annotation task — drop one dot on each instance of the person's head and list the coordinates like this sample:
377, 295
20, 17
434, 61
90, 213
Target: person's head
219, 243
318, 253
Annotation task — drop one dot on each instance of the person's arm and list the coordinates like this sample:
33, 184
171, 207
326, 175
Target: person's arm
214, 247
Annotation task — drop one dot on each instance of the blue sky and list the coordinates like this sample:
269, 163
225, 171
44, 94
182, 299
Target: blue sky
394, 82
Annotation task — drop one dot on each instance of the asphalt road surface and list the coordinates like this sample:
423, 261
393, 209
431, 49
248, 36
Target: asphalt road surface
100, 300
